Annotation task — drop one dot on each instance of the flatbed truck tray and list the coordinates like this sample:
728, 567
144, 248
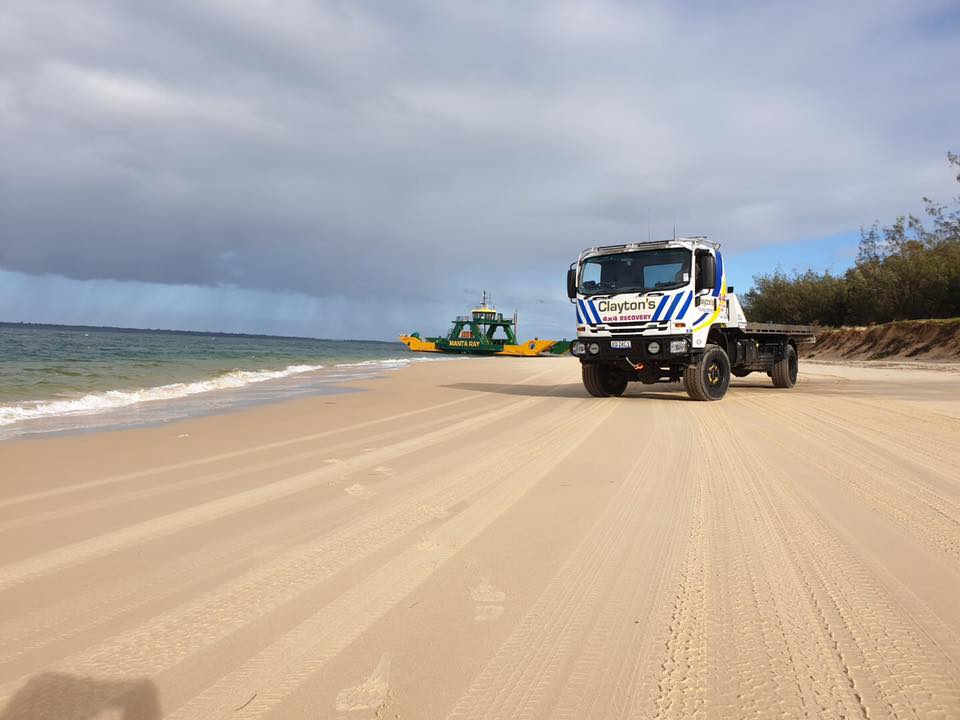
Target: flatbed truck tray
802, 333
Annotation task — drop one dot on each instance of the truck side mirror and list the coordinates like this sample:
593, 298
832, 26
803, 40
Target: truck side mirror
706, 272
572, 283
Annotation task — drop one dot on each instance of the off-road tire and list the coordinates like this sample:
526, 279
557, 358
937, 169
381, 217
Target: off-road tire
784, 372
600, 381
709, 378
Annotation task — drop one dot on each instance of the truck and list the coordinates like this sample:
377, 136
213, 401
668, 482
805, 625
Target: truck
661, 311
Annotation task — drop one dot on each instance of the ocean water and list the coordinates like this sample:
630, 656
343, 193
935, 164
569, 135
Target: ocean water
62, 378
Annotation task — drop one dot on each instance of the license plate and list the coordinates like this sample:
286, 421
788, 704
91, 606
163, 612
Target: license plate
620, 344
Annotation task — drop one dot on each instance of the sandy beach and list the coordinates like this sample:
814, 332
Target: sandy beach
480, 539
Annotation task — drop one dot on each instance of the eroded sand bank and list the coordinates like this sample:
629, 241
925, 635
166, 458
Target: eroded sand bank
479, 539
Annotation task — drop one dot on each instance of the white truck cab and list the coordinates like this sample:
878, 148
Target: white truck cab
661, 311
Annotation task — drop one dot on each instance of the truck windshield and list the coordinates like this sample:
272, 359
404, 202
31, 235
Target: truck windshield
641, 271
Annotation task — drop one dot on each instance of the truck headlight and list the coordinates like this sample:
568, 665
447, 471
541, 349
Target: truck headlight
594, 348
579, 348
678, 346
653, 347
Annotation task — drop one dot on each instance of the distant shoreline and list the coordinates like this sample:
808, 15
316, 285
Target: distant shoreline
172, 331
56, 378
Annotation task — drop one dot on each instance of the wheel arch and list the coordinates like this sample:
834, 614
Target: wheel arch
718, 336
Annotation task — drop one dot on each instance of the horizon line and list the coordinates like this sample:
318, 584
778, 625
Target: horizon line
174, 331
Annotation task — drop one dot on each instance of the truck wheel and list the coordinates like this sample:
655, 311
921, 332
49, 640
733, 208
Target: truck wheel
600, 381
709, 378
784, 371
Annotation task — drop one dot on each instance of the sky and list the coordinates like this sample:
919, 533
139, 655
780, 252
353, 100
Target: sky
355, 170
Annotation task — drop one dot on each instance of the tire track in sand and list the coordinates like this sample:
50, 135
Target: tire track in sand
566, 632
682, 682
23, 571
753, 651
725, 656
896, 492
119, 498
168, 638
47, 625
929, 471
906, 655
233, 454
280, 668
813, 610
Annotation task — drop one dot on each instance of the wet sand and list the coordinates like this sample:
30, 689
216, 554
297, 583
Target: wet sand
480, 539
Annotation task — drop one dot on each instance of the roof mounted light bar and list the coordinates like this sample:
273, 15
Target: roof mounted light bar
649, 245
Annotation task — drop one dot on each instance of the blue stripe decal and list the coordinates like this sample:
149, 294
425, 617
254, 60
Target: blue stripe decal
593, 309
673, 306
686, 304
699, 319
660, 307
583, 311
718, 280
579, 317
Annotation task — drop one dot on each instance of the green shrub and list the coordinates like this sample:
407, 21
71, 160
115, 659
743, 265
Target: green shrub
905, 271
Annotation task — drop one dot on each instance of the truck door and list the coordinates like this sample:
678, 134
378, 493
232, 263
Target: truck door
710, 279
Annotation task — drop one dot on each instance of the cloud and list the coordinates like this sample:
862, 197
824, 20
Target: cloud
202, 308
403, 152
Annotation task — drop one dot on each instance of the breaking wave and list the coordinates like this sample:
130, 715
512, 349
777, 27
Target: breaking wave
389, 362
113, 399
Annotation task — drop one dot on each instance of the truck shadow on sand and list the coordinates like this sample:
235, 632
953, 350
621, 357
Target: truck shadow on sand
568, 390
58, 696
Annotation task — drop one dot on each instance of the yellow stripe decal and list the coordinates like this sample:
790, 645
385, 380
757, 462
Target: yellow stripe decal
723, 298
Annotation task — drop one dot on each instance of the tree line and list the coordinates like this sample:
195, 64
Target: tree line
908, 270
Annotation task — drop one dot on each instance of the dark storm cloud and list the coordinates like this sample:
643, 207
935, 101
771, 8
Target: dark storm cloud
409, 149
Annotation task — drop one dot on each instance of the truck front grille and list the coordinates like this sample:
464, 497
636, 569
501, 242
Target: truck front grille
628, 329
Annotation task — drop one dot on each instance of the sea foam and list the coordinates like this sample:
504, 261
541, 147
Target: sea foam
113, 399
386, 362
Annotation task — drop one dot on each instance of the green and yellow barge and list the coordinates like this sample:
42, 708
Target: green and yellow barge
484, 332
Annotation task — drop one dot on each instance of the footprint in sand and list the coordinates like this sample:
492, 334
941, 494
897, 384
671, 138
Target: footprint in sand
360, 491
372, 694
488, 612
488, 600
339, 466
432, 511
430, 545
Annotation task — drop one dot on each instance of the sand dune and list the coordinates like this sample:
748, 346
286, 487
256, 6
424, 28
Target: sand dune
479, 539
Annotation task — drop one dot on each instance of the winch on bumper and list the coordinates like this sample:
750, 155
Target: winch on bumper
628, 352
